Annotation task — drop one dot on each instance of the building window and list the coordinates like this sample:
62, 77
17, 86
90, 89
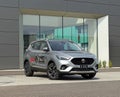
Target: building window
82, 31
50, 26
30, 29
73, 30
90, 33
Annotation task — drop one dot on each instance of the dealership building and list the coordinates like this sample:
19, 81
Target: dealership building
92, 24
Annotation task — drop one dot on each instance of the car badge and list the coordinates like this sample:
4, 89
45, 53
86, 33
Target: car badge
83, 60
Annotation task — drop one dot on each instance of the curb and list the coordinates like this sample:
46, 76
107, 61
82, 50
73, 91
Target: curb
12, 72
113, 69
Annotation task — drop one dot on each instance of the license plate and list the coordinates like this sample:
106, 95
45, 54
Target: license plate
83, 66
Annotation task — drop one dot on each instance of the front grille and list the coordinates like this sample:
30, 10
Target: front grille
82, 69
80, 61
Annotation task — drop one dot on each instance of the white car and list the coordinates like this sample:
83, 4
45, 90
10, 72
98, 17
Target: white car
59, 57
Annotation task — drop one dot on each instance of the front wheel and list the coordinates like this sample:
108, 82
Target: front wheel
88, 76
52, 71
27, 69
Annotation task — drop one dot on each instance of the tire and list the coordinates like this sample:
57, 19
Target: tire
27, 69
52, 72
88, 76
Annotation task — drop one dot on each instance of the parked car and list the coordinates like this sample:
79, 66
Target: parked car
59, 57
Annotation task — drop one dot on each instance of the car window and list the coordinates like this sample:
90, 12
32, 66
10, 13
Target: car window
36, 45
43, 45
56, 46
64, 46
70, 47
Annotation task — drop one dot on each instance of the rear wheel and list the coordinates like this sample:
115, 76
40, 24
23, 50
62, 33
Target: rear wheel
27, 69
88, 76
52, 71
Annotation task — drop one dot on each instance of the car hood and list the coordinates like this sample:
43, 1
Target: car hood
74, 54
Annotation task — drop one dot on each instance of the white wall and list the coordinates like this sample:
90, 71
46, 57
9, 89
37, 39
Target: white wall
103, 39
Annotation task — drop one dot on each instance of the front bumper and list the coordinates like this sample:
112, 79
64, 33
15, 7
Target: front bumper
77, 69
81, 72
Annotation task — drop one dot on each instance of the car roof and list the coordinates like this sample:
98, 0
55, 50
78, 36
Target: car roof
50, 40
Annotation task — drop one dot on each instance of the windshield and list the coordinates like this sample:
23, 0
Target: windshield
57, 45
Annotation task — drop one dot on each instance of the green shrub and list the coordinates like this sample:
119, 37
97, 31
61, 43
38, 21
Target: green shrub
100, 65
104, 64
110, 63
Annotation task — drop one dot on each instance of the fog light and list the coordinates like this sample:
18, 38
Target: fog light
63, 67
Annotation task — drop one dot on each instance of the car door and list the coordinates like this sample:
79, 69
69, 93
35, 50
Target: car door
35, 52
40, 55
43, 54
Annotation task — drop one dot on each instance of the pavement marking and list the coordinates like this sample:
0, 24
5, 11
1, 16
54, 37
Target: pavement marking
15, 80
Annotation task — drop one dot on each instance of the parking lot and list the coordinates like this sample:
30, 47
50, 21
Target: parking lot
41, 78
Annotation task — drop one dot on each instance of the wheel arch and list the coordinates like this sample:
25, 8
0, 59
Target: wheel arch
26, 60
51, 61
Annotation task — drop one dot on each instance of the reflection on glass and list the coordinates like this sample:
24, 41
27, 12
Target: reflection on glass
49, 25
73, 30
64, 46
30, 28
91, 28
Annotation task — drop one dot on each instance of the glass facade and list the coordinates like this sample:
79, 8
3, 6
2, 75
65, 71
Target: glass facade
49, 25
30, 29
82, 31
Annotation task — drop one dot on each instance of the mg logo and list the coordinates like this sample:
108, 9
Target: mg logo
83, 60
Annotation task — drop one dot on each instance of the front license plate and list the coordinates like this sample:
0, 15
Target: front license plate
83, 66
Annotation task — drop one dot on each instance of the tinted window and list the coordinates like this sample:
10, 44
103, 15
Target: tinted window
39, 45
43, 45
64, 46
36, 45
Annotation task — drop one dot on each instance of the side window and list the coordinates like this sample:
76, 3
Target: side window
36, 45
43, 45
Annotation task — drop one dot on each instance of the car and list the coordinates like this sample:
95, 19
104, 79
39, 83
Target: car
58, 58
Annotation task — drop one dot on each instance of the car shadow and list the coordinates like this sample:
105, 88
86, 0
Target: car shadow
66, 77
42, 75
76, 77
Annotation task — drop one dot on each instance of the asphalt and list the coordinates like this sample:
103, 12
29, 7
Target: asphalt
96, 89
13, 83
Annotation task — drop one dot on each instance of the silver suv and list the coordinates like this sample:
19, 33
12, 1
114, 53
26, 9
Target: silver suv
59, 57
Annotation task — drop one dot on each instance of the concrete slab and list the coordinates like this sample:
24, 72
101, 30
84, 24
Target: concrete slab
37, 79
12, 72
21, 71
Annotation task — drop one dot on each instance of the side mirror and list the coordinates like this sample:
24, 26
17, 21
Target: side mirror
46, 49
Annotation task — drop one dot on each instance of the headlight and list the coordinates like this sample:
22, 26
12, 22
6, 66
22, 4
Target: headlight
62, 57
96, 60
